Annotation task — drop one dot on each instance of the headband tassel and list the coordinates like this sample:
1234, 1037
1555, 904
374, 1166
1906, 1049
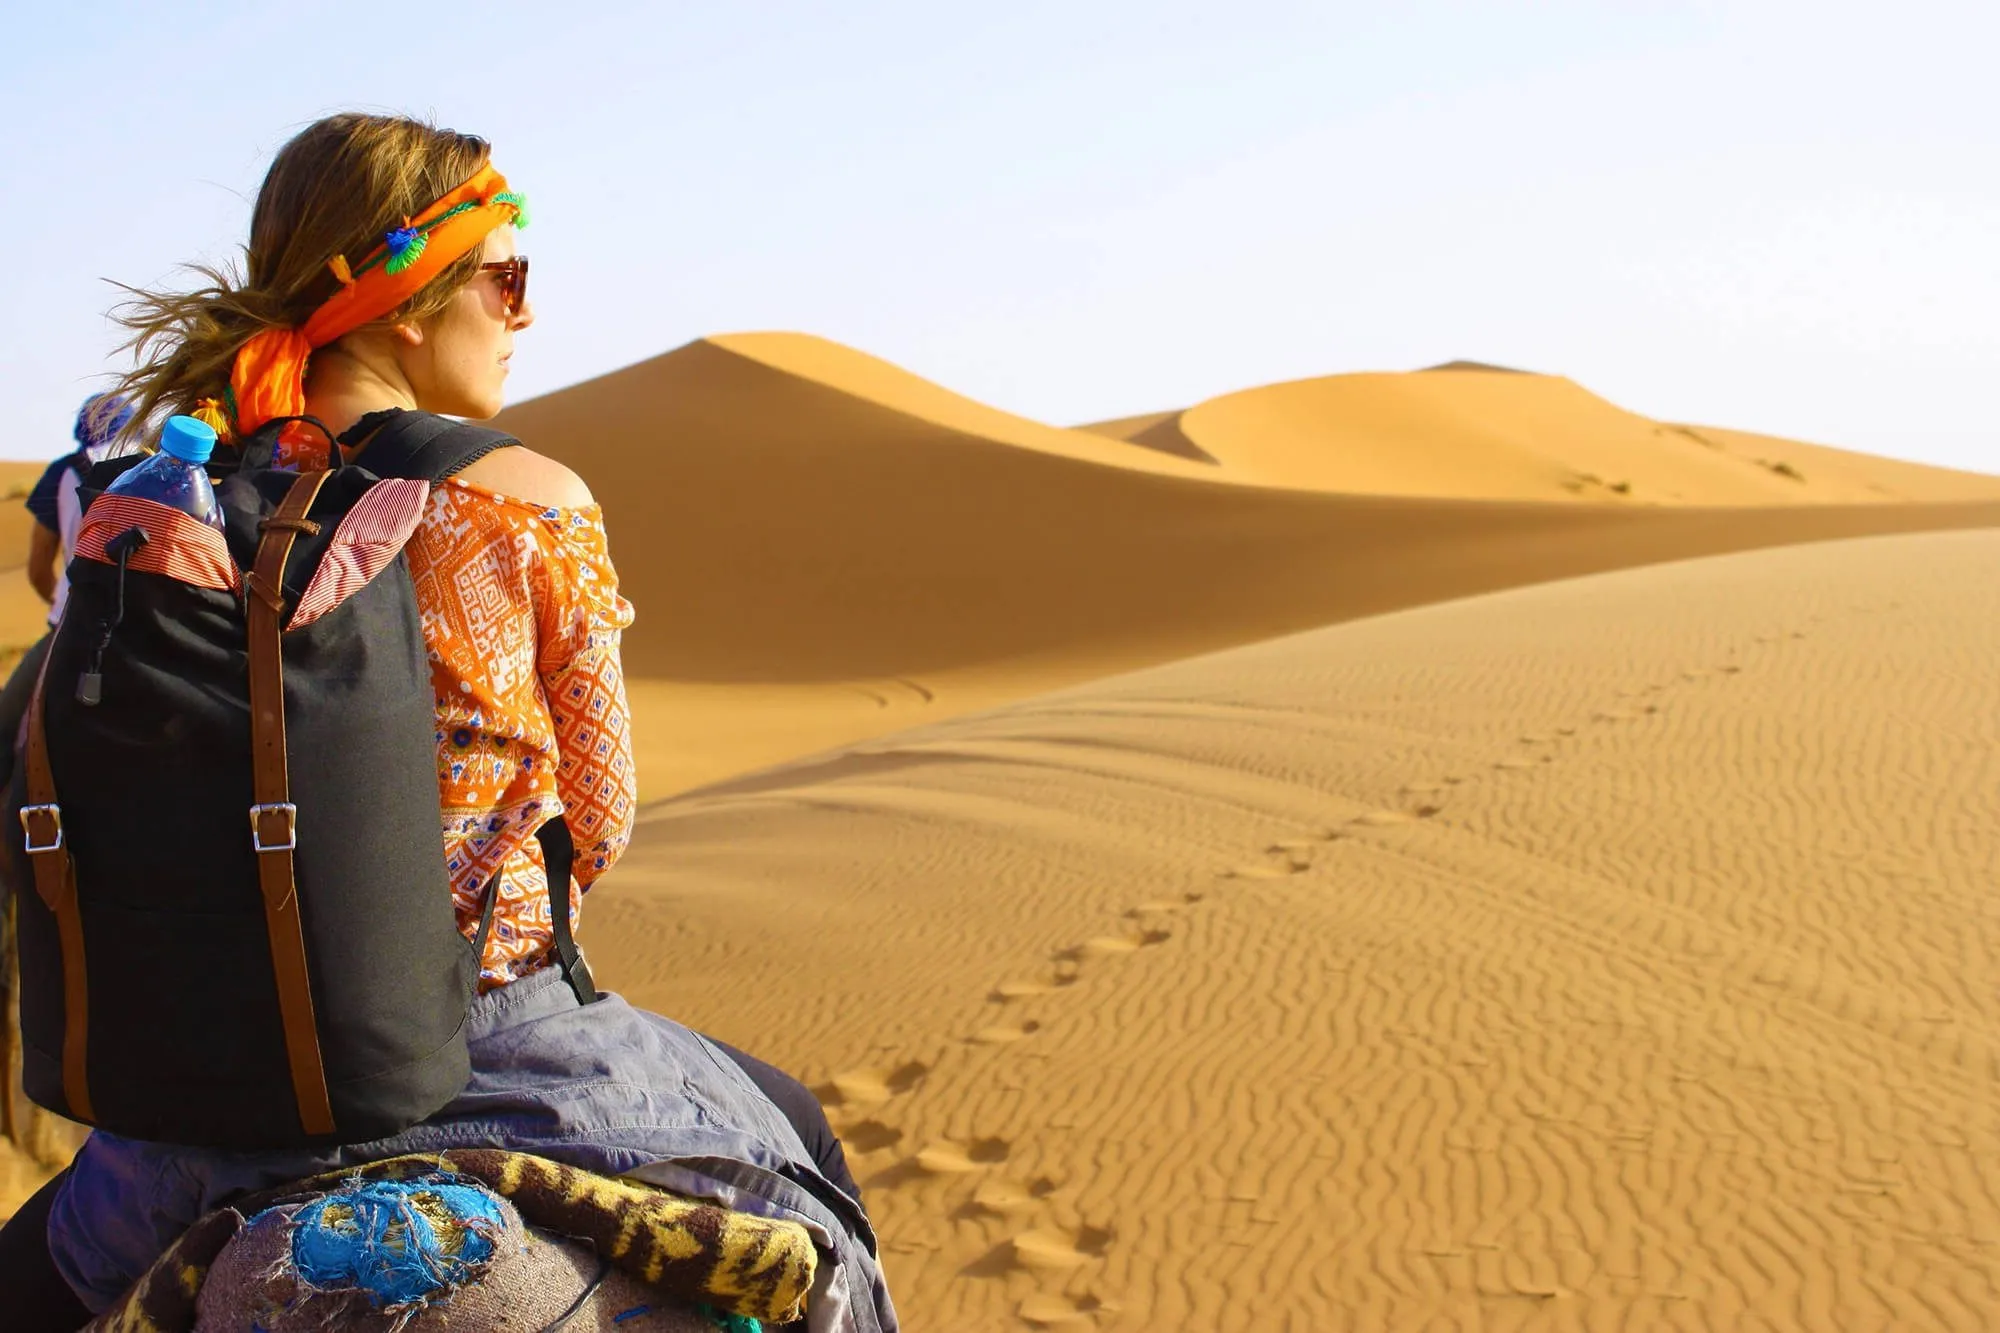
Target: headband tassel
209, 412
516, 201
406, 246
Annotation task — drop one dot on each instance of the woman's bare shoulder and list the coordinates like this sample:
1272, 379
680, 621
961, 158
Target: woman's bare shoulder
526, 475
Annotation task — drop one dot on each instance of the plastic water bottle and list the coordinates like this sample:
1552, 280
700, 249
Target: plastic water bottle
176, 475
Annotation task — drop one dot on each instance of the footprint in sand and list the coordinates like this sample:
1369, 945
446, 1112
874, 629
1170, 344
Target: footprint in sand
1003, 1035
1050, 1311
1387, 818
1396, 818
865, 1136
1163, 906
1110, 946
1009, 991
1293, 857
1046, 1250
866, 1088
1283, 870
941, 1160
946, 1158
1053, 1248
1005, 1198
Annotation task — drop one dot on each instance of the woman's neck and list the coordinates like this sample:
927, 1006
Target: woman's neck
342, 388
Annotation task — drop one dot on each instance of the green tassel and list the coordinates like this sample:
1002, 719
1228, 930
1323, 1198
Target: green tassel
731, 1323
520, 204
406, 246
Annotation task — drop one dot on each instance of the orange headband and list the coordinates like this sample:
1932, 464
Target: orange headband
269, 378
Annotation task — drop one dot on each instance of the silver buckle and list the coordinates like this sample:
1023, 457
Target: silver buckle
54, 812
257, 812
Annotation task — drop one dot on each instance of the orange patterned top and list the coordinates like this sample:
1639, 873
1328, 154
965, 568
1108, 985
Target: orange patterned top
522, 619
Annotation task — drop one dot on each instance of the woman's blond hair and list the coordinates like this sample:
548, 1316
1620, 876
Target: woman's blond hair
334, 190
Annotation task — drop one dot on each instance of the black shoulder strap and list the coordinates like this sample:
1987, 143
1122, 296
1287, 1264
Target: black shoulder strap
559, 857
421, 445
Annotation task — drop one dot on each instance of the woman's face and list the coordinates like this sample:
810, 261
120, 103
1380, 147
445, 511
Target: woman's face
460, 367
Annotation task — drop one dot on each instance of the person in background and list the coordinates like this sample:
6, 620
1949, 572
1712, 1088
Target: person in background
58, 510
54, 501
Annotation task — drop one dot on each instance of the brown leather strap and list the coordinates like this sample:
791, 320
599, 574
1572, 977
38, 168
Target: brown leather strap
273, 821
55, 881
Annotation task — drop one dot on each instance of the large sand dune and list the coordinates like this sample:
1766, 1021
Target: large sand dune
1609, 954
812, 534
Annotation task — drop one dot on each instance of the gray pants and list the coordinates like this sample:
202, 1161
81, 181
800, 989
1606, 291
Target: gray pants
606, 1087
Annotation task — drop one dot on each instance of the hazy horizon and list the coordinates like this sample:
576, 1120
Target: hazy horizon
1763, 216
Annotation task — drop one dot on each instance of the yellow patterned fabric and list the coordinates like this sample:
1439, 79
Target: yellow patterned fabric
699, 1253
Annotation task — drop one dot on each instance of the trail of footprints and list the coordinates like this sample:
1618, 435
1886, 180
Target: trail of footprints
861, 1101
974, 1172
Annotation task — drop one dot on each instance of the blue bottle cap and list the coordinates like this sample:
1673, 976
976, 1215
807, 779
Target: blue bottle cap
188, 439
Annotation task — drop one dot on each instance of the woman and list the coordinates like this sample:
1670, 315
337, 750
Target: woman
522, 622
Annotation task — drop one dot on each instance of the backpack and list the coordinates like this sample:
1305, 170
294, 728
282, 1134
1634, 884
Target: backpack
242, 932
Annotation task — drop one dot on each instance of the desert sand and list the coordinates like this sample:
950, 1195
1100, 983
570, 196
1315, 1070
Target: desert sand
1388, 851
1607, 954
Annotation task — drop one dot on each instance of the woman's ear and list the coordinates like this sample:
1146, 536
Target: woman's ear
410, 333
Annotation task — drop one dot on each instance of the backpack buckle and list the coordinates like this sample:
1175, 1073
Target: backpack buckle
54, 813
257, 813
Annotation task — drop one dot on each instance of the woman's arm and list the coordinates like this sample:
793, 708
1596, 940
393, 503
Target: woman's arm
44, 552
580, 619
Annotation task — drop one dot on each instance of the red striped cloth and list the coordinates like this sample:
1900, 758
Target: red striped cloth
182, 547
367, 540
177, 545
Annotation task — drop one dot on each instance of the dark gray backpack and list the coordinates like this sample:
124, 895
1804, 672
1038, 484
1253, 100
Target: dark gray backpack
236, 927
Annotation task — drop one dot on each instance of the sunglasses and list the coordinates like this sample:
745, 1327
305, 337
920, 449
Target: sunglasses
513, 281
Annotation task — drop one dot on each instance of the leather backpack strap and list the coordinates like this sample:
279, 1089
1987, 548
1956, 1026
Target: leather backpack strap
274, 819
55, 882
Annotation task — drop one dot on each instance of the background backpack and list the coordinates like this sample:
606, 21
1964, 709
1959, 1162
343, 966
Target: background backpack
241, 932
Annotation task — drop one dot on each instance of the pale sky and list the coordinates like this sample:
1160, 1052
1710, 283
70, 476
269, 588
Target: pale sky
1775, 216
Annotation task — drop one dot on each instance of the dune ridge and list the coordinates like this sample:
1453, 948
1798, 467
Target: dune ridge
1469, 430
787, 528
812, 534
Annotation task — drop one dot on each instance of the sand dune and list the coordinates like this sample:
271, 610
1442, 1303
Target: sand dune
1468, 430
1609, 954
791, 515
22, 611
15, 524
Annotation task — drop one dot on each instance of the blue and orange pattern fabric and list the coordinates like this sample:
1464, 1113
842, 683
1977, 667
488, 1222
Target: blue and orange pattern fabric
522, 620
